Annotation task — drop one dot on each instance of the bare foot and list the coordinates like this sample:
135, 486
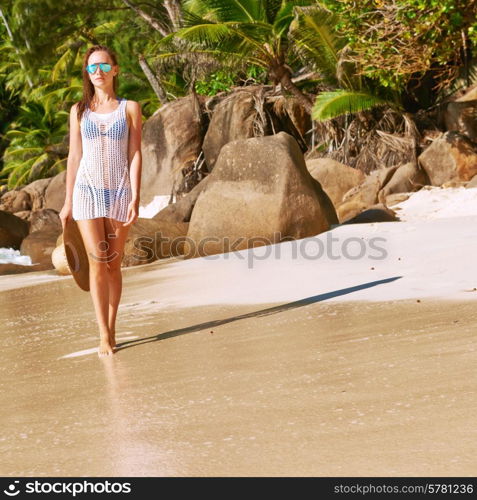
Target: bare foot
105, 348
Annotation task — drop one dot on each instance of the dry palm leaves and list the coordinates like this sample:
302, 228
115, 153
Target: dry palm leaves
367, 140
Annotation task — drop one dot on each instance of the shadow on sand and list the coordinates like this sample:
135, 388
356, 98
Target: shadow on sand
255, 314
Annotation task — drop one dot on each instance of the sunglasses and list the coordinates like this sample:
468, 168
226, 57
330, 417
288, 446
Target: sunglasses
105, 67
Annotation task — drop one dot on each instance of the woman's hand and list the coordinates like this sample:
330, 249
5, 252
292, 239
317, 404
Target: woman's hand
66, 213
133, 213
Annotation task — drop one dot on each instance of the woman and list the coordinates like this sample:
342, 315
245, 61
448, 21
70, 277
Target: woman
103, 181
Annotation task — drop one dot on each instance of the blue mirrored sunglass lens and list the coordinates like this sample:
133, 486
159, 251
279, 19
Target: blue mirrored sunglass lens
91, 68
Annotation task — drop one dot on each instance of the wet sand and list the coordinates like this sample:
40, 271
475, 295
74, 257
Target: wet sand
304, 388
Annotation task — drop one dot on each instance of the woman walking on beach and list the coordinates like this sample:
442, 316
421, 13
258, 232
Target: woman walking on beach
103, 181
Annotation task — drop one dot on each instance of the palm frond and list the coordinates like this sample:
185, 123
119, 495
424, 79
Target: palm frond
19, 173
58, 165
61, 66
286, 14
204, 34
225, 57
272, 7
38, 165
15, 133
340, 102
227, 10
312, 32
22, 151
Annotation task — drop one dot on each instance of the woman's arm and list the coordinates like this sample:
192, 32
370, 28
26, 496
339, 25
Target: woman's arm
74, 155
134, 149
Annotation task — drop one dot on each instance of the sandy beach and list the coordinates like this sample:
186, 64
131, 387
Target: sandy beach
290, 366
311, 389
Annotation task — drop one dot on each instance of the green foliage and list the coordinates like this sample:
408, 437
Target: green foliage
339, 102
362, 54
218, 81
316, 42
9, 105
34, 150
41, 64
224, 80
403, 39
237, 34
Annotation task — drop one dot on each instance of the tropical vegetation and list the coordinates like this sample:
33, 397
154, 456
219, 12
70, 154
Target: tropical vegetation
356, 67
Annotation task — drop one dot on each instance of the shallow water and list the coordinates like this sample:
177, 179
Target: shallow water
12, 256
322, 389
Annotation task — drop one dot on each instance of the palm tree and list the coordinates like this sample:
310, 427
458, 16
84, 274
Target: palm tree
9, 103
240, 33
317, 44
37, 146
277, 35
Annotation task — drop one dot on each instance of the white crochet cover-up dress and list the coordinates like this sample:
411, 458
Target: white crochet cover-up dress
102, 186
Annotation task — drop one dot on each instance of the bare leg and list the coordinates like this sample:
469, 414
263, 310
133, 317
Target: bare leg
116, 235
92, 232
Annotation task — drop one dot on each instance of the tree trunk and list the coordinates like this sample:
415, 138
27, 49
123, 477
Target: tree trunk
152, 22
303, 99
152, 79
174, 11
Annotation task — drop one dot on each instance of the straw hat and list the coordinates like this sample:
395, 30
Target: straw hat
58, 258
76, 254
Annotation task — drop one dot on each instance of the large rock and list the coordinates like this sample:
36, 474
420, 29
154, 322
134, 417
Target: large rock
260, 192
472, 183
55, 193
39, 246
450, 157
335, 178
375, 213
24, 214
252, 111
15, 200
365, 194
36, 190
45, 220
171, 141
461, 114
378, 187
152, 239
12, 230
406, 179
396, 199
233, 118
181, 210
454, 184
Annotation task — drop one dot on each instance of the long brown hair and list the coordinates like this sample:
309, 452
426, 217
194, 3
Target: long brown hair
88, 87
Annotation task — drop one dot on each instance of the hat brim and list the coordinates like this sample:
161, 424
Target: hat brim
76, 254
